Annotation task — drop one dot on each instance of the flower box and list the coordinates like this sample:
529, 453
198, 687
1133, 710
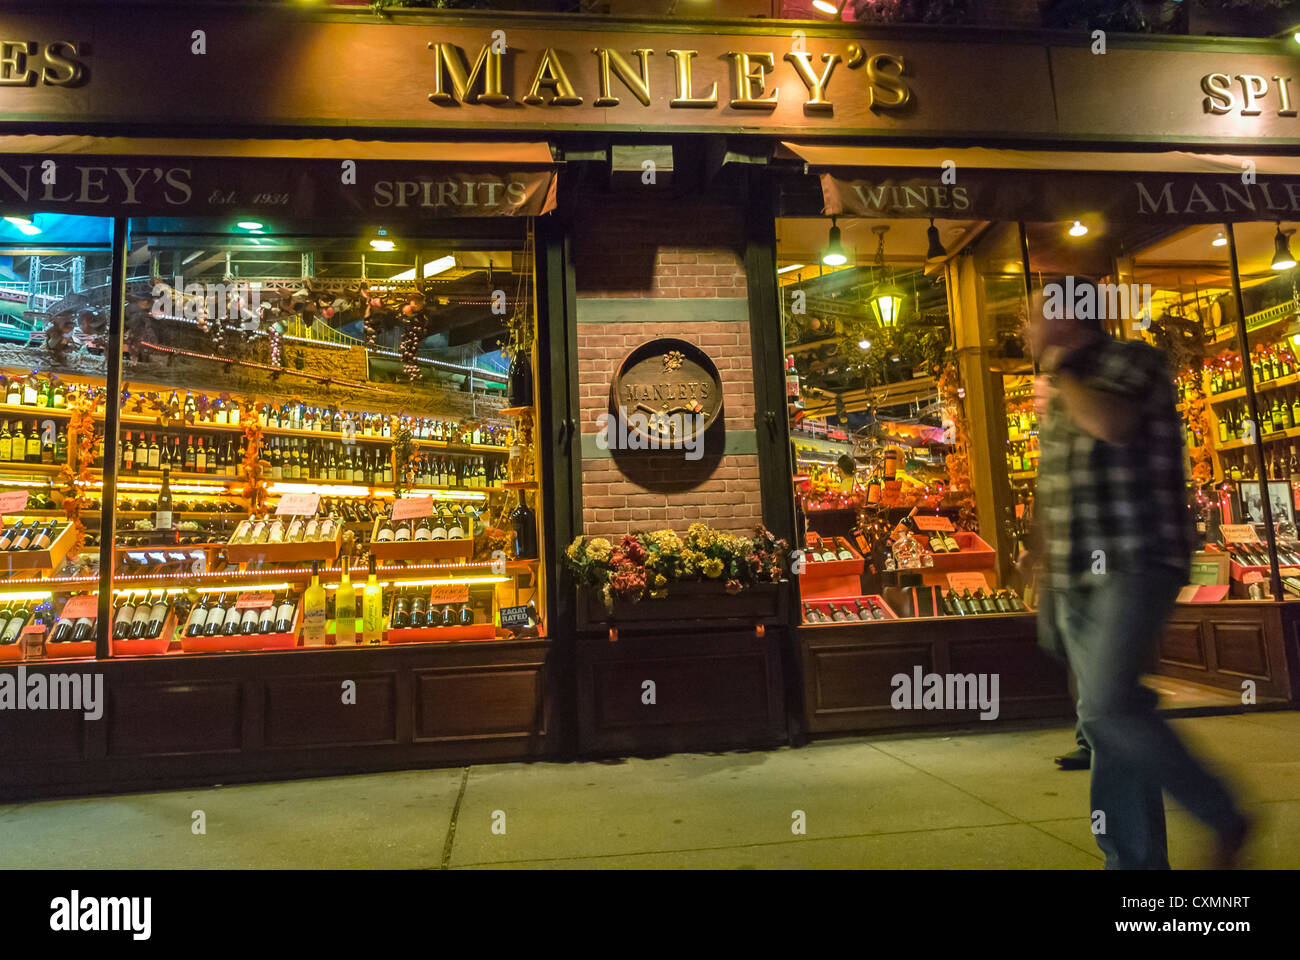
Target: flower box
702, 601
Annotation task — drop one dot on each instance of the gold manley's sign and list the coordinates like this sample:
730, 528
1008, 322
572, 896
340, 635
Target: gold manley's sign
203, 68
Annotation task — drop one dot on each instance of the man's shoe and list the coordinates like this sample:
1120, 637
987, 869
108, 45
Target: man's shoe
1079, 759
1227, 846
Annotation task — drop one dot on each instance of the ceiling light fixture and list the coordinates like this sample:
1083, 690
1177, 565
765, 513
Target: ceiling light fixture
1282, 259
834, 253
431, 268
936, 251
793, 266
864, 344
249, 224
1078, 230
828, 8
1219, 240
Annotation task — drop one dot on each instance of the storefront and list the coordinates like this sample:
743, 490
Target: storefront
568, 278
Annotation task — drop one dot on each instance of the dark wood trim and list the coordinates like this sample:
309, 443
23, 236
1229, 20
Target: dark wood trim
847, 671
196, 720
112, 423
562, 464
1223, 644
714, 689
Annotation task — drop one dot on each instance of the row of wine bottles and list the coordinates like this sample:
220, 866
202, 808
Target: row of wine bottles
872, 610
34, 534
274, 529
1256, 554
825, 549
448, 523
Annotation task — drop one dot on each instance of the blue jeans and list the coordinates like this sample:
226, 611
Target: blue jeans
1109, 628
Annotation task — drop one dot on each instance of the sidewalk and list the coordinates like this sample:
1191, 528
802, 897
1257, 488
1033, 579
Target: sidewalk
991, 800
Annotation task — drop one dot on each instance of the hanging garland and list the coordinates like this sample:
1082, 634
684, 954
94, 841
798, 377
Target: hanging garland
254, 477
403, 459
75, 476
959, 492
1202, 463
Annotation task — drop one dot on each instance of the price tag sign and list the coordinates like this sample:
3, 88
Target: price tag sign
298, 505
85, 605
1252, 576
254, 601
409, 507
515, 617
971, 580
1238, 532
449, 593
925, 522
13, 501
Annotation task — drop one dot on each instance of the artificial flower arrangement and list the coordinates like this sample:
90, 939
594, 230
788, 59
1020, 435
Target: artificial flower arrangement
644, 564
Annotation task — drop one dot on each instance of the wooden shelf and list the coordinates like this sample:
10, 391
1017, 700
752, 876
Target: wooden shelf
514, 411
1264, 386
520, 484
1274, 437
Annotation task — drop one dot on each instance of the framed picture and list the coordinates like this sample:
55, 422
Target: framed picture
1210, 569
1279, 498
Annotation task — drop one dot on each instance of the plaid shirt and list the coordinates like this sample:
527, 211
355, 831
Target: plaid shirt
1130, 501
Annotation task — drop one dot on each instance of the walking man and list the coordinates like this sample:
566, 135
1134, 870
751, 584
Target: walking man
1116, 549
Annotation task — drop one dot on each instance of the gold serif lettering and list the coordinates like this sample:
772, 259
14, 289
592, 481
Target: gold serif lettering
550, 74
685, 91
487, 68
637, 83
749, 81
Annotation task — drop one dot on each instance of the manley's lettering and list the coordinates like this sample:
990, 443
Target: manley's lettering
457, 80
77, 183
25, 63
681, 390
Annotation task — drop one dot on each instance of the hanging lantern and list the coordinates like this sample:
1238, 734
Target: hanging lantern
886, 299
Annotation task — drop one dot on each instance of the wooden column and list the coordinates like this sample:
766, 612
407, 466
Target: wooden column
975, 343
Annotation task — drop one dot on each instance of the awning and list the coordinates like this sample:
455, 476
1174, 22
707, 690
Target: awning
984, 184
382, 180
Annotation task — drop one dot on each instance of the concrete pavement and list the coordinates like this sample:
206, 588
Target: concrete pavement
991, 800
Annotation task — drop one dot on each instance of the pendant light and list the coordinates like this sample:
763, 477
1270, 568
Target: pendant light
936, 251
827, 7
886, 298
1282, 259
833, 255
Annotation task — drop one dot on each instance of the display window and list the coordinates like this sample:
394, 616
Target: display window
323, 439
880, 422
915, 404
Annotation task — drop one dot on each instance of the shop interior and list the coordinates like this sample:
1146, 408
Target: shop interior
315, 448
914, 421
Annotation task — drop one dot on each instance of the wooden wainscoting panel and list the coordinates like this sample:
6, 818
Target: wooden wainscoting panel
461, 703
1240, 648
311, 712
174, 717
1183, 643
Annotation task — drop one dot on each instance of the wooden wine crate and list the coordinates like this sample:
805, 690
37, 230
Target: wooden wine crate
148, 646
46, 559
306, 552
460, 548
256, 641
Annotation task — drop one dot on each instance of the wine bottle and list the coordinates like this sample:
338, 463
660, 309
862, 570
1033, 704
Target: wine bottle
419, 610
456, 525
140, 619
198, 617
524, 524
10, 534
266, 616
17, 620
313, 611
157, 615
23, 538
521, 380
284, 612
466, 615
43, 539
345, 608
423, 531
216, 617
403, 532
386, 532
439, 527
163, 514
372, 608
234, 617
844, 552
401, 612
61, 633
248, 623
